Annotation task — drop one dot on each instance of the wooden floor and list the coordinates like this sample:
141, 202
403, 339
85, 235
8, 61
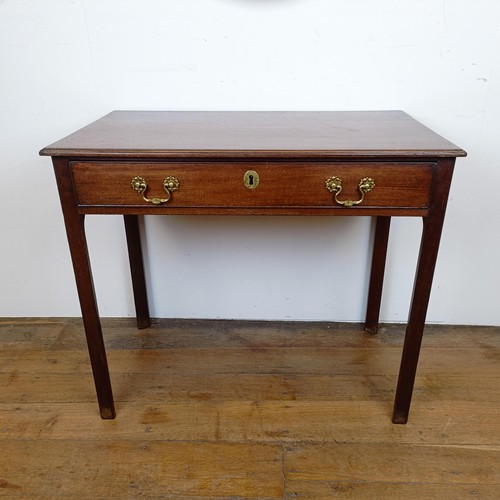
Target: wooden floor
239, 410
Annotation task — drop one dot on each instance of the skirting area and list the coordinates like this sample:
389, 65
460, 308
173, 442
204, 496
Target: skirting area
260, 410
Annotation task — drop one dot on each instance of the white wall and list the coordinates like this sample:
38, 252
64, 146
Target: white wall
65, 63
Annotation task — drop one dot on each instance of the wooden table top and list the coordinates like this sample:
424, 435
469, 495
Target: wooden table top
323, 134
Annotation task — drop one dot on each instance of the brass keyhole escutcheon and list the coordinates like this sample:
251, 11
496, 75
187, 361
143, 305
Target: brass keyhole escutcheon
251, 179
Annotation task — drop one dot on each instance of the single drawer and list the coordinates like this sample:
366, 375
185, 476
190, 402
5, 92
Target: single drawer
253, 184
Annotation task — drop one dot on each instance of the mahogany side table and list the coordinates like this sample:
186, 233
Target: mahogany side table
375, 163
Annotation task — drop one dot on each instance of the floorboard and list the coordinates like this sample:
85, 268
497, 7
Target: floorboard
247, 410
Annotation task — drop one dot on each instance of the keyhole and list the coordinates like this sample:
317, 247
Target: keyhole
251, 179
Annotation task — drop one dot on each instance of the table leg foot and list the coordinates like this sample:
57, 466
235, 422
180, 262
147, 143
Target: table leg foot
108, 413
400, 417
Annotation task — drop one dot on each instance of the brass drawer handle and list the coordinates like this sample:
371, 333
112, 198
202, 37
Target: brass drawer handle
334, 185
170, 184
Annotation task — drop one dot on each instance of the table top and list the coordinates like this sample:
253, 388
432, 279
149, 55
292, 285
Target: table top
322, 134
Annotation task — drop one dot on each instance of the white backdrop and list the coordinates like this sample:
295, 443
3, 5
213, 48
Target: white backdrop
65, 63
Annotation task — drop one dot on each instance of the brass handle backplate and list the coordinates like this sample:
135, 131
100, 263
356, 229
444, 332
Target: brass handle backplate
334, 185
170, 184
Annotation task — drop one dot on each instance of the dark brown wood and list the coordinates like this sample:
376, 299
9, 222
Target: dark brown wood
294, 153
282, 184
429, 247
380, 242
327, 134
75, 229
137, 270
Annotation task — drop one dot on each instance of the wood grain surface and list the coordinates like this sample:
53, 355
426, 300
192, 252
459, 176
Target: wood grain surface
281, 184
163, 134
250, 410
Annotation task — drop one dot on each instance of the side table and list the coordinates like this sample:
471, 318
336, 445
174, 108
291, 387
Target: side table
375, 163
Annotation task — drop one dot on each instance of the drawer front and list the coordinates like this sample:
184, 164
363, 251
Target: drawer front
268, 184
